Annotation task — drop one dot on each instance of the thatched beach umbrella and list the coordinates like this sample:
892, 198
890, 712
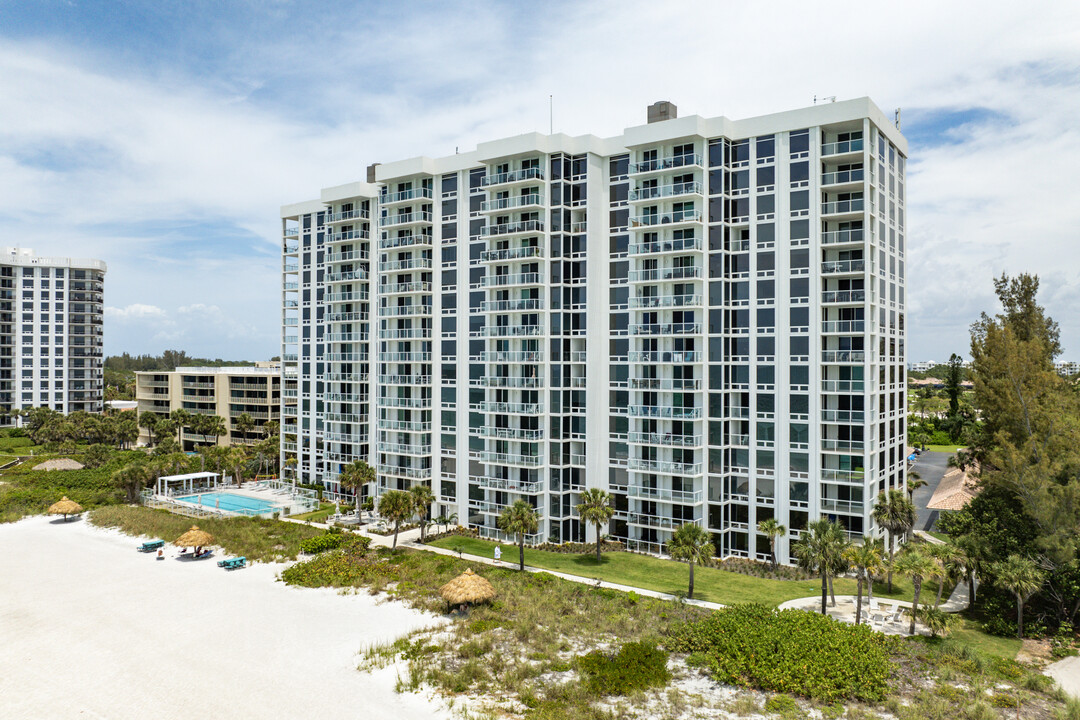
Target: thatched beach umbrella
195, 538
468, 587
65, 507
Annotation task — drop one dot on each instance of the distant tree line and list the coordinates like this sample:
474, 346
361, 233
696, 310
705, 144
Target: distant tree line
166, 361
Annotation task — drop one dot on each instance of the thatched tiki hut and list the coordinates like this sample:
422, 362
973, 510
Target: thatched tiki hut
468, 587
194, 538
65, 507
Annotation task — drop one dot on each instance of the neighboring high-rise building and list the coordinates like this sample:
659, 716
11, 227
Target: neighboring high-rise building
227, 392
704, 317
924, 365
50, 333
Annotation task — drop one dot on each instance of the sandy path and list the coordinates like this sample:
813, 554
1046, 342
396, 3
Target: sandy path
90, 628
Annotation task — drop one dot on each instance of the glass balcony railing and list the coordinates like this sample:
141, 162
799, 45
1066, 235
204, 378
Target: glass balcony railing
665, 246
842, 445
842, 206
843, 326
843, 356
533, 173
405, 334
497, 458
405, 218
347, 215
512, 331
407, 264
504, 433
346, 296
405, 310
509, 203
843, 386
414, 194
404, 402
665, 384
511, 228
663, 191
662, 301
347, 276
838, 148
843, 416
404, 449
507, 408
843, 475
512, 305
844, 506
666, 329
347, 235
505, 356
511, 485
347, 317
409, 240
666, 439
663, 494
292, 232
842, 176
668, 163
404, 379
843, 296
665, 411
497, 381
515, 279
404, 471
665, 357
651, 220
405, 288
837, 237
842, 266
404, 357
662, 274
404, 426
530, 251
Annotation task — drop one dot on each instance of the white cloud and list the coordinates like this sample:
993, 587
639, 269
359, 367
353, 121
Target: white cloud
137, 312
139, 153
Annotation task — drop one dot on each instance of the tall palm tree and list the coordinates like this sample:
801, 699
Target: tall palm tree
181, 417
396, 505
975, 549
422, 500
917, 564
914, 482
772, 529
132, 479
149, 421
691, 543
819, 549
1023, 578
244, 424
896, 514
953, 565
866, 558
355, 476
519, 519
595, 507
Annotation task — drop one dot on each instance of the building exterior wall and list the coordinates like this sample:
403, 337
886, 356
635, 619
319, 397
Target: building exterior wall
704, 317
51, 333
227, 392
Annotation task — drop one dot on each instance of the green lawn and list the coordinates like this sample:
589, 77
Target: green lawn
672, 577
325, 510
938, 535
945, 448
970, 634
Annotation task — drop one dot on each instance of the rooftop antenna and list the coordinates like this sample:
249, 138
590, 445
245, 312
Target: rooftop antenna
830, 98
551, 114
897, 118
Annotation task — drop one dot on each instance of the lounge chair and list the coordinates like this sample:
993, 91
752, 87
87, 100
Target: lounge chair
151, 546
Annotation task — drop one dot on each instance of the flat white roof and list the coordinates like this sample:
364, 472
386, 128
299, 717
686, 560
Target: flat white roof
190, 476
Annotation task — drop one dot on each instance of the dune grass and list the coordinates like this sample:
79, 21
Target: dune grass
668, 576
257, 539
325, 510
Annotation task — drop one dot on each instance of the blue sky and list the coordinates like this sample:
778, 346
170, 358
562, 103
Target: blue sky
162, 137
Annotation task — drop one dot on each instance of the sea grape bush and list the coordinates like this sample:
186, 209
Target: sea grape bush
787, 651
332, 541
636, 666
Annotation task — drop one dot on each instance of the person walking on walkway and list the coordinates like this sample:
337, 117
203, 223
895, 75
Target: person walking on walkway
498, 554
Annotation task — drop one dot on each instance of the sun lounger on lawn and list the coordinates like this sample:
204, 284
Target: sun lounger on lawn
151, 546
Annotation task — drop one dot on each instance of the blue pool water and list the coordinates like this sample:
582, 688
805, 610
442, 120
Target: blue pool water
232, 503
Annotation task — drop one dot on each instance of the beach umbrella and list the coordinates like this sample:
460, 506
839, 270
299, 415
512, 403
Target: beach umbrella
65, 507
467, 587
195, 538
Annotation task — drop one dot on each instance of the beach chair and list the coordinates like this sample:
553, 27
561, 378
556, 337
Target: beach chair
233, 563
151, 546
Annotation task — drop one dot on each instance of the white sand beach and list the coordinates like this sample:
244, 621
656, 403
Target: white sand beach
90, 628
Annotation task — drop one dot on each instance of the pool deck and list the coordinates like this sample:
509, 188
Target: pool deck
278, 499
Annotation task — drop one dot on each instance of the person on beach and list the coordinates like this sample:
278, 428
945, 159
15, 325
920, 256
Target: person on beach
498, 554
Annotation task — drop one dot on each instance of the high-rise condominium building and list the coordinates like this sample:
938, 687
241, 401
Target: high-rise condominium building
228, 392
50, 333
704, 317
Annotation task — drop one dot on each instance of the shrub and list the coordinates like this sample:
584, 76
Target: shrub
783, 705
788, 651
637, 666
332, 541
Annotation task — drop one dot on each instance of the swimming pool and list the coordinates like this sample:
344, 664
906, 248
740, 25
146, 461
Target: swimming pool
232, 503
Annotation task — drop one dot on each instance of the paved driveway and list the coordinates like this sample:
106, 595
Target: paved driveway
931, 466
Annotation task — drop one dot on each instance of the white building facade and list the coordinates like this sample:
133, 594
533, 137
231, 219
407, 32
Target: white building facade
704, 317
51, 332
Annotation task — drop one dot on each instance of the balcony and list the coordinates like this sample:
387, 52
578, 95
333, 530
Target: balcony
405, 471
512, 331
400, 241
495, 458
515, 279
507, 408
346, 296
406, 264
843, 296
841, 267
672, 218
664, 274
843, 326
512, 228
347, 276
517, 486
843, 356
842, 148
346, 357
350, 418
521, 253
292, 232
650, 493
842, 177
404, 449
842, 207
665, 411
666, 246
644, 194
405, 402
504, 306
844, 506
664, 357
666, 329
515, 176
667, 468
503, 433
347, 317
509, 203
497, 381
668, 163
405, 288
654, 521
842, 386
492, 508
676, 384
404, 379
347, 398
422, 193
405, 310
404, 426
842, 237
843, 416
836, 474
404, 357
413, 218
507, 356
665, 439
346, 216
847, 446
663, 301
405, 334
347, 236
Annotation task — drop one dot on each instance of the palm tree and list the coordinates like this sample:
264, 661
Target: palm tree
181, 417
975, 549
896, 514
691, 543
396, 505
519, 519
132, 478
866, 559
355, 476
952, 562
819, 549
214, 426
914, 482
244, 424
917, 564
595, 507
770, 528
1023, 578
422, 500
149, 421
